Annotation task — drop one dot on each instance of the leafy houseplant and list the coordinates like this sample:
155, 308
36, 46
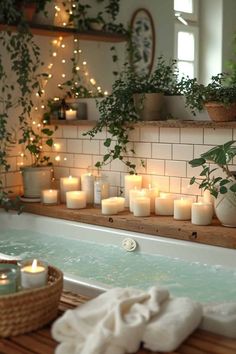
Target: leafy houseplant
222, 187
118, 113
218, 97
20, 51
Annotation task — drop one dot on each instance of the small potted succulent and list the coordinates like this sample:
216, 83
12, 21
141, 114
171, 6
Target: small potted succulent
217, 177
218, 97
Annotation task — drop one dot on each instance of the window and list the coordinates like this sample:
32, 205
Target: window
186, 37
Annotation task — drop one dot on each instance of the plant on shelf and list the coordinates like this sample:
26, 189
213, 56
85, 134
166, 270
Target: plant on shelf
217, 177
118, 113
20, 59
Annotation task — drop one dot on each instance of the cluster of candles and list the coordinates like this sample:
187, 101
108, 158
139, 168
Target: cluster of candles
141, 202
27, 274
78, 192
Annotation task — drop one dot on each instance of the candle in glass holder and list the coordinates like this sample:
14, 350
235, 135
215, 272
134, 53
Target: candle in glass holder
87, 185
34, 274
68, 184
76, 200
164, 205
202, 213
182, 209
49, 196
109, 206
141, 206
71, 114
131, 182
8, 281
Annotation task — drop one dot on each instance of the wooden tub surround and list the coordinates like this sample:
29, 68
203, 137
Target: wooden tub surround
41, 342
164, 226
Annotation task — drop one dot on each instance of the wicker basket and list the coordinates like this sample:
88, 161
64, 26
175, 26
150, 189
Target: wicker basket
29, 310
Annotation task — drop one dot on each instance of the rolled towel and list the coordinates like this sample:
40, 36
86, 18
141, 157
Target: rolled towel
112, 323
178, 318
7, 257
220, 319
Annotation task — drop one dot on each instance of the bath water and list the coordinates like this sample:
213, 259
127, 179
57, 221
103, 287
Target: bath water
113, 266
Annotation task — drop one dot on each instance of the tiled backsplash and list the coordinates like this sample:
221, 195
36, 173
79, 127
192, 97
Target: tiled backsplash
165, 151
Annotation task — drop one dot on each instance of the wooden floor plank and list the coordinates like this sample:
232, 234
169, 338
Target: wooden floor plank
41, 342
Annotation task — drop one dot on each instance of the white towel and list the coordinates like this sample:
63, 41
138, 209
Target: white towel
112, 323
178, 318
220, 319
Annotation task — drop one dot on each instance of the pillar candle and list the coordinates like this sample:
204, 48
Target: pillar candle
109, 206
34, 274
49, 196
182, 209
152, 193
202, 213
131, 181
120, 201
134, 193
141, 206
76, 200
164, 205
71, 114
68, 184
87, 185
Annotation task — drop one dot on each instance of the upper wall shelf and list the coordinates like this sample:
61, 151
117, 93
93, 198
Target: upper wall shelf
171, 123
52, 31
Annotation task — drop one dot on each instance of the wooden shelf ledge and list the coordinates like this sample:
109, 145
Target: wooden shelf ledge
52, 31
164, 226
171, 123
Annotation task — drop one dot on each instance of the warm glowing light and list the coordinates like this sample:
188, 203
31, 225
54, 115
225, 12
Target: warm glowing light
65, 159
37, 94
63, 61
64, 24
35, 108
54, 54
63, 75
105, 93
22, 154
84, 63
58, 158
50, 76
60, 38
59, 85
50, 66
93, 82
34, 265
44, 121
42, 106
39, 125
77, 68
33, 122
80, 51
63, 45
54, 41
86, 73
75, 40
75, 51
56, 99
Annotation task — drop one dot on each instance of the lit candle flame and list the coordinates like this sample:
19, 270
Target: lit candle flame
34, 265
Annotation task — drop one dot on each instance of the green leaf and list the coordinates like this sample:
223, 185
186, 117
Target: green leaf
223, 182
197, 162
192, 180
233, 188
107, 142
106, 157
49, 142
223, 190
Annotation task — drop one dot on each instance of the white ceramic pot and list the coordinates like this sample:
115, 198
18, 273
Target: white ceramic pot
149, 106
225, 208
175, 108
35, 179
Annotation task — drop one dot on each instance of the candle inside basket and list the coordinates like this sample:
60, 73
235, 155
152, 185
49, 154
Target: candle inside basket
8, 281
34, 274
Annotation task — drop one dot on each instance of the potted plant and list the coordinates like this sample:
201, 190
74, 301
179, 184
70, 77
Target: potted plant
219, 180
125, 106
218, 97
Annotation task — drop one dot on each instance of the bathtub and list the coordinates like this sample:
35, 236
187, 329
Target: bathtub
206, 256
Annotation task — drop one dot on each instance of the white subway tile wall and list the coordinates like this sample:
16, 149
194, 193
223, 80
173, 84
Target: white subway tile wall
164, 151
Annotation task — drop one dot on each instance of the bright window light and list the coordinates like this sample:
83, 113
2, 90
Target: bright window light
184, 6
185, 46
186, 69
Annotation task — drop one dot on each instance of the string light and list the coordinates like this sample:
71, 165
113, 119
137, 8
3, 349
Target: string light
63, 61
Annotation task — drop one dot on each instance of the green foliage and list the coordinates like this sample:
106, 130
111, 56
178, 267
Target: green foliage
118, 114
218, 90
220, 155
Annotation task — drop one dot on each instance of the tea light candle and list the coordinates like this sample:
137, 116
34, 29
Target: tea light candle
68, 184
164, 205
182, 209
202, 213
71, 114
49, 196
87, 185
8, 281
131, 182
120, 201
76, 199
141, 206
109, 206
34, 274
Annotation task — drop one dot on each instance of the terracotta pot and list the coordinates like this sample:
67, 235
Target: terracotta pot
149, 106
225, 208
28, 11
219, 112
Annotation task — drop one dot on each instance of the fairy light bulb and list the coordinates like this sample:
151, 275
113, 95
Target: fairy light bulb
63, 61
75, 51
63, 75
33, 122
49, 76
105, 93
64, 24
80, 51
60, 38
93, 82
86, 73
75, 40
57, 158
42, 106
65, 159
50, 66
63, 46
35, 108
54, 54
37, 94
59, 85
84, 63
77, 68
39, 125
44, 122
54, 41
